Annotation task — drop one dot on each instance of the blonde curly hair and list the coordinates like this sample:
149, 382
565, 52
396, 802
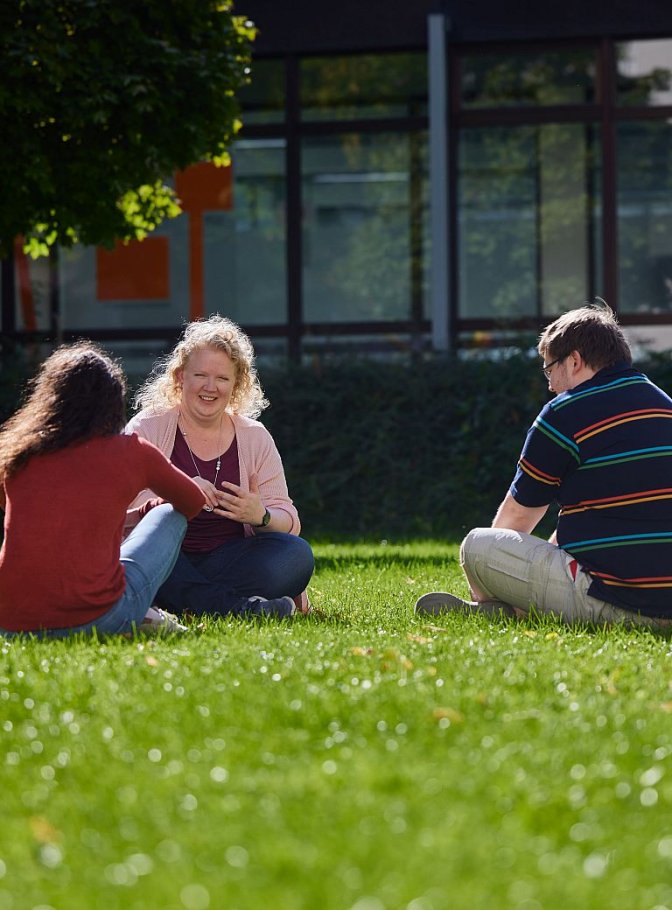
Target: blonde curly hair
162, 389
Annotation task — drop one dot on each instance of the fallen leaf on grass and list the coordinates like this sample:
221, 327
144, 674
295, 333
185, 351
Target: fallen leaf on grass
452, 714
421, 639
666, 706
152, 661
42, 830
361, 652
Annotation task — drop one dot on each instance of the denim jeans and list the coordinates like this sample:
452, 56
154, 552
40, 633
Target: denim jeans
148, 555
272, 564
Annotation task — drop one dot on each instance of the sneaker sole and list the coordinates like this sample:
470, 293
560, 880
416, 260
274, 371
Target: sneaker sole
437, 602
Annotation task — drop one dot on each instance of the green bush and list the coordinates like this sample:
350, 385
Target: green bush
381, 448
388, 449
395, 450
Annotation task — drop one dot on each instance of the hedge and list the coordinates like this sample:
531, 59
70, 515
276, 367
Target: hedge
378, 448
382, 449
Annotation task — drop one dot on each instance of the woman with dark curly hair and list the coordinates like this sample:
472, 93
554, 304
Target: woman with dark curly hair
67, 474
242, 553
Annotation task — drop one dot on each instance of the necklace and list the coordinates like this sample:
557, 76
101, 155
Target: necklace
218, 463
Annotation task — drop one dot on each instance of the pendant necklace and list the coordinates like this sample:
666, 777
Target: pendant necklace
218, 463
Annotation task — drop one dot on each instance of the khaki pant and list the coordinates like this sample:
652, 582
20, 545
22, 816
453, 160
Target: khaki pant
527, 573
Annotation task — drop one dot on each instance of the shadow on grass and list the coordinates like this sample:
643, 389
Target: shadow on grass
388, 560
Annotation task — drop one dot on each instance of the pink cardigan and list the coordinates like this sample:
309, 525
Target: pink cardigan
257, 454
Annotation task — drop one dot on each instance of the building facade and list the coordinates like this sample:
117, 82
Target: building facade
410, 177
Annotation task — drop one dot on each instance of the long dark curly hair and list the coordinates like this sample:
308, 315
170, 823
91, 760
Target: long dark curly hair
77, 394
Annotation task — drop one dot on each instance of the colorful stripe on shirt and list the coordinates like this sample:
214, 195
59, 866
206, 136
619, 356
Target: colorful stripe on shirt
622, 457
618, 419
555, 436
664, 581
611, 502
536, 474
563, 400
602, 543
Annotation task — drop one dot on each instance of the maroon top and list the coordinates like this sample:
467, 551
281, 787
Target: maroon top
64, 517
208, 531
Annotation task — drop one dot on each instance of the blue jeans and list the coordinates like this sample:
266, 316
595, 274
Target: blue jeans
148, 555
272, 564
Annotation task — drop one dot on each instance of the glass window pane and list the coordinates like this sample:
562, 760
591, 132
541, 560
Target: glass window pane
244, 247
543, 78
364, 226
263, 100
224, 254
366, 86
644, 74
131, 287
528, 220
644, 154
32, 280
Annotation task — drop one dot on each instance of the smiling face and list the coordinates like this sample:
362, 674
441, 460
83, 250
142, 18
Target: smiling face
208, 380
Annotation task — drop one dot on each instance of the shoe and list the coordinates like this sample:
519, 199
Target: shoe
158, 622
440, 602
279, 607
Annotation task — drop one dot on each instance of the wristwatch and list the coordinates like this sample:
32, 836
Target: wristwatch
264, 521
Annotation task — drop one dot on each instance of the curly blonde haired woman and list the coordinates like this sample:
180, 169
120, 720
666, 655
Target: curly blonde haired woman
242, 553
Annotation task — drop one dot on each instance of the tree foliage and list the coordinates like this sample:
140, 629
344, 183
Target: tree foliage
101, 101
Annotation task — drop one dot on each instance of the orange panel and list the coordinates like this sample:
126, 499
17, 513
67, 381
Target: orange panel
25, 287
135, 271
204, 187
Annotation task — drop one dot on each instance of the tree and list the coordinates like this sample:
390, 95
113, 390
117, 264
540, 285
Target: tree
100, 102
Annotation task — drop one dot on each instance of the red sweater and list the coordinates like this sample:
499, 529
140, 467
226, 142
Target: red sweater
64, 517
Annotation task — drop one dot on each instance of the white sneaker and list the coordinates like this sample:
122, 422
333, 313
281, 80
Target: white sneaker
158, 622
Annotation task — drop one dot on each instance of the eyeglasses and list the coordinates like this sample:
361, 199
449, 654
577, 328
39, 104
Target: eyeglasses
546, 370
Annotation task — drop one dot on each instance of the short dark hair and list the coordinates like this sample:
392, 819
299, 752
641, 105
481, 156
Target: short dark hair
593, 331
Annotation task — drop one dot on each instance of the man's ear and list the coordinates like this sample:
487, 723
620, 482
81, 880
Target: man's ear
577, 361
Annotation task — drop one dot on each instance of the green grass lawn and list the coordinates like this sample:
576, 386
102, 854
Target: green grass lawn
364, 759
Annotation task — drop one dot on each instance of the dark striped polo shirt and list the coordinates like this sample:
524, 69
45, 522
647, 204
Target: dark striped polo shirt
603, 451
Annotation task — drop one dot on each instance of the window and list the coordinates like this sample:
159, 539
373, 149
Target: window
645, 216
543, 77
527, 219
644, 73
363, 86
364, 203
245, 245
263, 99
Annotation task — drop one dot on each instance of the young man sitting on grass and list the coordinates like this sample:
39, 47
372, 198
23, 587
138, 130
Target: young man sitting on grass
603, 450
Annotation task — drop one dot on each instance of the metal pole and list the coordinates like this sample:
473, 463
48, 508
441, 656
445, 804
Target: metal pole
438, 181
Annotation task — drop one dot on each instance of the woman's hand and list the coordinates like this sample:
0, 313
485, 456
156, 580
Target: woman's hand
244, 506
210, 493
